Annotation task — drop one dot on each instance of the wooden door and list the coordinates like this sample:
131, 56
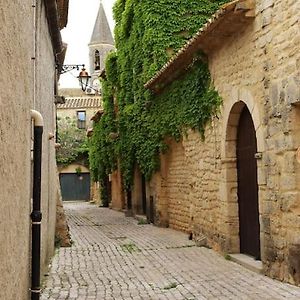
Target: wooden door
247, 186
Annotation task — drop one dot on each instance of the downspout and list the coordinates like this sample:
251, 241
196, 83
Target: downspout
36, 215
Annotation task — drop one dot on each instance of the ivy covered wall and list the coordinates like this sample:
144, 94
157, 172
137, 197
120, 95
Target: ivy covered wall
136, 123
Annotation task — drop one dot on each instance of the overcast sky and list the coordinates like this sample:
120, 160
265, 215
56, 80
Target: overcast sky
77, 34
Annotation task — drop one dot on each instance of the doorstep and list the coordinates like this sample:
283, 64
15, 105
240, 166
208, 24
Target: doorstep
248, 262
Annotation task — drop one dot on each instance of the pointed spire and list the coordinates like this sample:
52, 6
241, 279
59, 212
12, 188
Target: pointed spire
101, 33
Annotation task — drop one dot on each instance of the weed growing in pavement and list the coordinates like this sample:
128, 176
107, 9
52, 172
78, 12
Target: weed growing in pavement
142, 222
172, 285
130, 247
227, 256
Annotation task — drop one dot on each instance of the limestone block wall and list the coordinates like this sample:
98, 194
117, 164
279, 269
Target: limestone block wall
260, 66
196, 190
186, 190
177, 187
16, 101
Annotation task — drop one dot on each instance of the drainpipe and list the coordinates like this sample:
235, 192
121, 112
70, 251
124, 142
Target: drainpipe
36, 215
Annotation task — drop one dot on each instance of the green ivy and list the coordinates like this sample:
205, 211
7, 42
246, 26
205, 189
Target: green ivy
147, 33
102, 148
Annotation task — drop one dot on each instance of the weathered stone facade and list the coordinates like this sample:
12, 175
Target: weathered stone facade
76, 100
22, 91
256, 66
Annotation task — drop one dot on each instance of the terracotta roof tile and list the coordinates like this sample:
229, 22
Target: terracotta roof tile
81, 102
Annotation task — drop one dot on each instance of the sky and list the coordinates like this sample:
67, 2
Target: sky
77, 34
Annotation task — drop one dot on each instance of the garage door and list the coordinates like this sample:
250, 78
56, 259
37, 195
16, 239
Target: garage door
74, 186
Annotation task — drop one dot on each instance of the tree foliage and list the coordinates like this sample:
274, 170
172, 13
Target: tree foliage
73, 142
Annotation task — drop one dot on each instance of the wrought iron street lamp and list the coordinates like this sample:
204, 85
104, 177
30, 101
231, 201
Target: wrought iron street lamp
83, 77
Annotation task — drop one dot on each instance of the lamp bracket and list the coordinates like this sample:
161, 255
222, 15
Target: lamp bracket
67, 68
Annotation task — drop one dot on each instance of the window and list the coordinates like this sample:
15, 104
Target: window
81, 119
97, 60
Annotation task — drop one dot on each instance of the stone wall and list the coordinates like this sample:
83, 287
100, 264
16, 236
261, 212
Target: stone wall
196, 189
16, 101
72, 113
260, 66
117, 193
136, 193
96, 193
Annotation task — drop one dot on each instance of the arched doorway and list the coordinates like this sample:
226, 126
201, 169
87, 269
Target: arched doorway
246, 147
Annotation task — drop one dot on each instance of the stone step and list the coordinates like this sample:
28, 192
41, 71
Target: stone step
248, 262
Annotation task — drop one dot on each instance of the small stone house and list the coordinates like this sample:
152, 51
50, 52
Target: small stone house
238, 190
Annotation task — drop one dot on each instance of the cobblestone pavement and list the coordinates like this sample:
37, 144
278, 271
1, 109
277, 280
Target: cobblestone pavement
115, 258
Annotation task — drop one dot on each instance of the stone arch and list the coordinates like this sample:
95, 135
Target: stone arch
231, 115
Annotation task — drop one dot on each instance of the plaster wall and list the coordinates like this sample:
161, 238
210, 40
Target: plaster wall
72, 113
15, 104
72, 168
16, 101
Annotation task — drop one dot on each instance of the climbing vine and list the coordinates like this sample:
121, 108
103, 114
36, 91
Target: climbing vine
147, 34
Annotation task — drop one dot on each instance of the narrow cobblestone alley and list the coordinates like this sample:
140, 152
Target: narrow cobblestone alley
113, 257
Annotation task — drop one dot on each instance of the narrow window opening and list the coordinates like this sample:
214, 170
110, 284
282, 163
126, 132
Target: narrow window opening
97, 60
81, 119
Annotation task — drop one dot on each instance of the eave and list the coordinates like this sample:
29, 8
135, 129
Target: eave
226, 22
53, 23
63, 10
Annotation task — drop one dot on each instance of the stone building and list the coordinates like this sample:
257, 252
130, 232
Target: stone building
100, 45
238, 191
79, 106
30, 43
78, 110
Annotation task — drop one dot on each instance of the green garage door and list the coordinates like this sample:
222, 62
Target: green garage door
74, 186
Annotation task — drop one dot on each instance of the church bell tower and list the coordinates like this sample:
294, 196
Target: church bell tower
100, 45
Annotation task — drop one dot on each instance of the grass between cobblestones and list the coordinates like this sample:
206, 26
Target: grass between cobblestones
130, 247
172, 285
